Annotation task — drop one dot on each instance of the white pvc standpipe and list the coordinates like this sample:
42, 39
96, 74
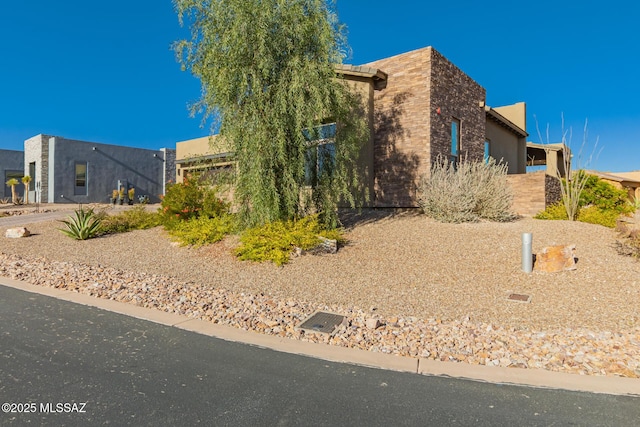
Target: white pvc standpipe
527, 254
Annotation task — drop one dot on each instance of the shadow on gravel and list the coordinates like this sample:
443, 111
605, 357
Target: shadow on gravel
351, 218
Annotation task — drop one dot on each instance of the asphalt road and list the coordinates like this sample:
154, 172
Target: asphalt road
75, 365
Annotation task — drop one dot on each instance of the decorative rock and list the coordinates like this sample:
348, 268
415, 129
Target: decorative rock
553, 259
16, 233
326, 246
373, 323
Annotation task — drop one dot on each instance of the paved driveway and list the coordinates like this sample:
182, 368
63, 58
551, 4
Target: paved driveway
123, 371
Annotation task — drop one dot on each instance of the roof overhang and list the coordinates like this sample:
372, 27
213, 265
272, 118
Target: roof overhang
379, 77
206, 158
498, 118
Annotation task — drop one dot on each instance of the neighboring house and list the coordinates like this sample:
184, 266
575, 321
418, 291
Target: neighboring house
71, 171
549, 155
419, 107
11, 166
628, 181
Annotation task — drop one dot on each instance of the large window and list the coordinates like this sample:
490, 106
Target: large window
321, 154
455, 140
81, 179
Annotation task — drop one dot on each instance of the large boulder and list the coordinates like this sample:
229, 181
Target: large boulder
17, 232
556, 258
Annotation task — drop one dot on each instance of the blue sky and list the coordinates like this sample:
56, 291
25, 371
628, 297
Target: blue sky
104, 71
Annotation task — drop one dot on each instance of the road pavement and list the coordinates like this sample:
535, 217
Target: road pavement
70, 364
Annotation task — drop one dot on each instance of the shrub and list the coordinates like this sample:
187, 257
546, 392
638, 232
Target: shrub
605, 196
85, 225
600, 203
276, 241
137, 218
594, 215
555, 211
203, 230
466, 192
187, 200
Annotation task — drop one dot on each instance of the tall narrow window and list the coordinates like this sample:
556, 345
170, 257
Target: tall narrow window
81, 179
455, 140
32, 174
487, 151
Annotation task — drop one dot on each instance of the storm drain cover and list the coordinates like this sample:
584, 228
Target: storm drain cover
519, 298
322, 322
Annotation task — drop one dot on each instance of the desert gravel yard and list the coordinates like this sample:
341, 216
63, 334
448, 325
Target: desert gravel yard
438, 290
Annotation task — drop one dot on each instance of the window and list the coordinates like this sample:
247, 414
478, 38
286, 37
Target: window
455, 140
487, 151
32, 174
81, 179
321, 154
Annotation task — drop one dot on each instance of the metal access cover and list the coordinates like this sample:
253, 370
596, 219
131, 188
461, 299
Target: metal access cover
519, 298
322, 322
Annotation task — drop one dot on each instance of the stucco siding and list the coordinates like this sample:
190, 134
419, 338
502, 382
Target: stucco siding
11, 161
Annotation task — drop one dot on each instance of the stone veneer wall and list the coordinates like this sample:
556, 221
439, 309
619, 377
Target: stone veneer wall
458, 96
408, 131
533, 192
552, 190
169, 167
36, 149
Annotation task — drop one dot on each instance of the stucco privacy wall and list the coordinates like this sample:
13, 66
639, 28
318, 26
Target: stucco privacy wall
56, 158
11, 161
412, 121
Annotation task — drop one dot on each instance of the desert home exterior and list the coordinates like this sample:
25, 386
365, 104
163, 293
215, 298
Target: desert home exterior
419, 107
71, 171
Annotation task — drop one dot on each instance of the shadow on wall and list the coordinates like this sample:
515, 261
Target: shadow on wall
395, 170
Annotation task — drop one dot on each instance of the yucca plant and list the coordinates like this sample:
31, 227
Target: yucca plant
12, 183
83, 226
26, 180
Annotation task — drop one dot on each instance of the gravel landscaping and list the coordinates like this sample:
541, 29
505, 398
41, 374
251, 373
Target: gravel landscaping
438, 290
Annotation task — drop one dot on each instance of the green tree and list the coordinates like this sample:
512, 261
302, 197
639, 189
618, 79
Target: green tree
267, 69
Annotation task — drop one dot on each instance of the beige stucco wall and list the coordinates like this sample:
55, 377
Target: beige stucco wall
515, 113
507, 147
363, 87
193, 149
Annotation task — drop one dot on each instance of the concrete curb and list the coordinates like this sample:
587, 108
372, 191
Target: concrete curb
513, 376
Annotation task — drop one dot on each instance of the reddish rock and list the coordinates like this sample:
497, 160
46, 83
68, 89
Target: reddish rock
553, 259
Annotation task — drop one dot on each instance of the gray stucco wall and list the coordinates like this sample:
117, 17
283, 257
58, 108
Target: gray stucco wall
10, 160
142, 169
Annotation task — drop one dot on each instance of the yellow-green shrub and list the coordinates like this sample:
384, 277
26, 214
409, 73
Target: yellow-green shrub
276, 241
594, 215
203, 230
554, 211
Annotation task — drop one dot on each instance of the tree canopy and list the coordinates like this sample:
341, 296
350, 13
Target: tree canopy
267, 69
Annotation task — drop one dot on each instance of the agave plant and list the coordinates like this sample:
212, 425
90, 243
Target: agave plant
83, 226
